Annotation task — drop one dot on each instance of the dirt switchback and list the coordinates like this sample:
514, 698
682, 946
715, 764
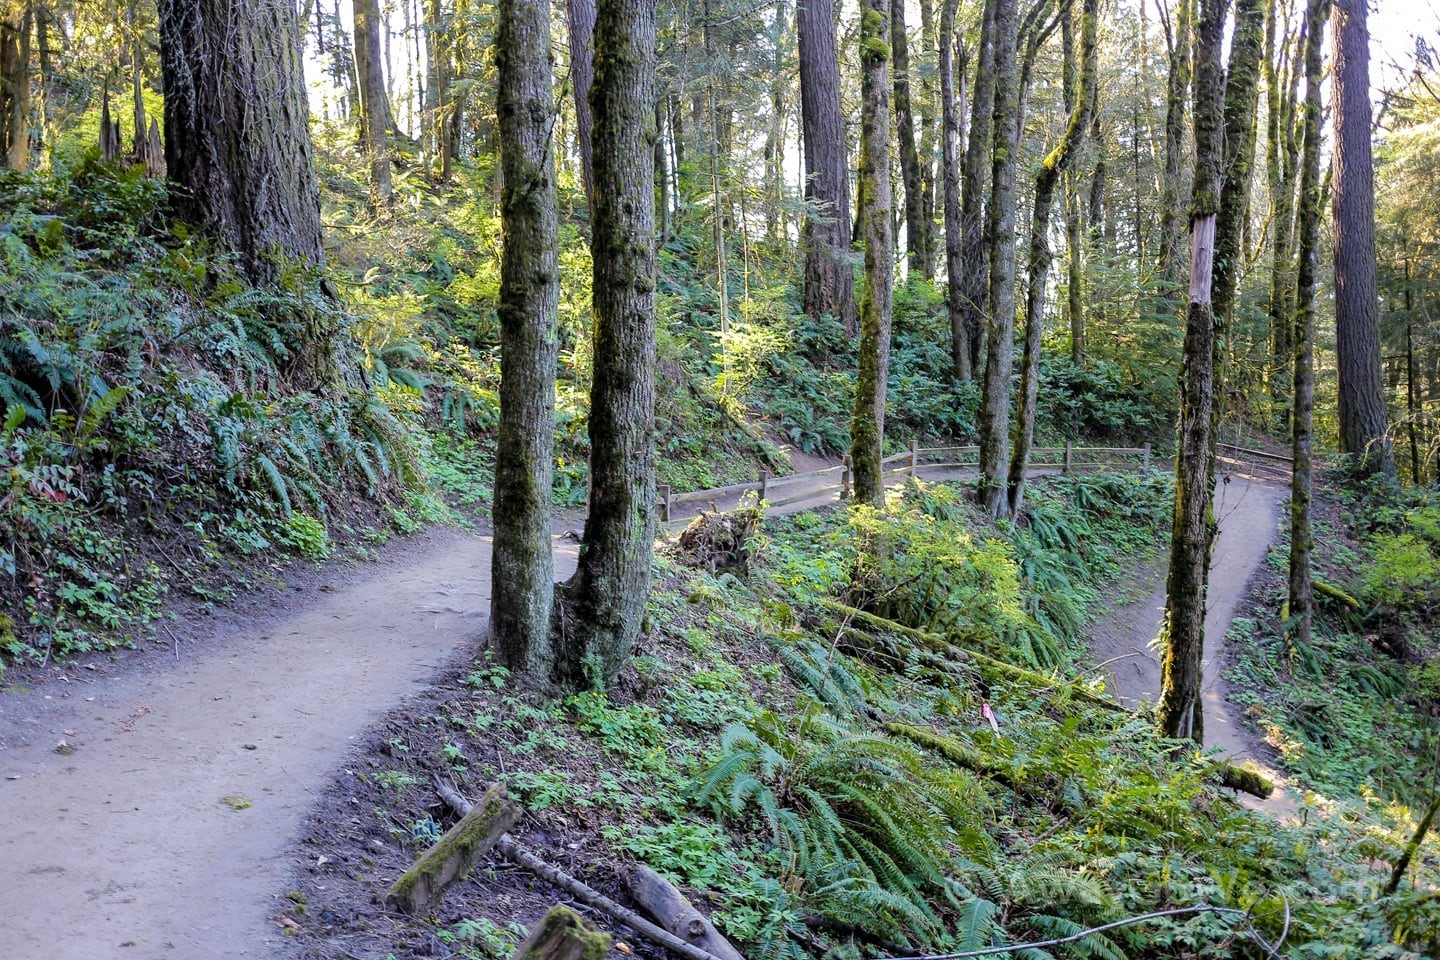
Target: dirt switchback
151, 814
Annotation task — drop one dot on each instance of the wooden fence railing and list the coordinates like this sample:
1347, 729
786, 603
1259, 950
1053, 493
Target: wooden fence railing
780, 491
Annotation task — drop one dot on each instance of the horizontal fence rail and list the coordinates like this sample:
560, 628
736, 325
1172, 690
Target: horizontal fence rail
909, 462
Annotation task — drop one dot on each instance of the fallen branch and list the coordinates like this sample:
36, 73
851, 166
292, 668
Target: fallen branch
450, 859
1403, 864
1335, 593
516, 853
973, 760
660, 898
941, 645
1246, 781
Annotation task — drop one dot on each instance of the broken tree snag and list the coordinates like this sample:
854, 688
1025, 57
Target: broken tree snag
1246, 781
564, 935
516, 853
450, 859
719, 541
659, 898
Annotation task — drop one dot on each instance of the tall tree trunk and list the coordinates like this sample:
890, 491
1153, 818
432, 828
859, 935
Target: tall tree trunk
929, 129
522, 572
1181, 713
438, 92
237, 128
829, 284
1046, 180
917, 233
580, 15
775, 130
375, 122
15, 30
950, 112
1170, 266
1281, 158
604, 602
1363, 419
973, 279
1297, 628
867, 427
1000, 337
718, 222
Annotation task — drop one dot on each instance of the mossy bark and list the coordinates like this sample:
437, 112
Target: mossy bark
972, 282
950, 111
375, 120
602, 605
1047, 178
1180, 709
450, 859
580, 21
1177, 85
564, 935
1000, 336
15, 29
522, 572
1301, 590
829, 281
917, 228
1281, 159
867, 426
1242, 91
1364, 422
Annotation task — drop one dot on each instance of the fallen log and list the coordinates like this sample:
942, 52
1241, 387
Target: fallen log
516, 853
564, 935
941, 645
668, 906
1246, 781
450, 859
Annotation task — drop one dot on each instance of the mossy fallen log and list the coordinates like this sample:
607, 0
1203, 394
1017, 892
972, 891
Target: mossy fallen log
1246, 781
450, 859
1335, 593
564, 935
941, 645
968, 758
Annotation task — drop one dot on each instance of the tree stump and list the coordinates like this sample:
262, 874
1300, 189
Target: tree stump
450, 859
719, 541
563, 935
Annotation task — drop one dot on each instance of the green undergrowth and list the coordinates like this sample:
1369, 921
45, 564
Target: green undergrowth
1353, 712
166, 427
826, 787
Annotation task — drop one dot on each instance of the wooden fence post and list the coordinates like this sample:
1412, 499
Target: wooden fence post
664, 491
1065, 469
1147, 456
914, 457
764, 485
845, 477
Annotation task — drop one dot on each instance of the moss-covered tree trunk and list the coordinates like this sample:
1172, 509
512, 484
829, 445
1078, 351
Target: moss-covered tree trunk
1242, 91
522, 573
1302, 601
1047, 179
15, 28
950, 110
1364, 422
867, 426
917, 228
829, 283
928, 113
1000, 237
603, 604
973, 280
580, 19
1180, 713
1170, 267
1281, 157
375, 120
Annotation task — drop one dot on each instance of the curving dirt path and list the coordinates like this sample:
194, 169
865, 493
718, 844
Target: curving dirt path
1248, 500
125, 842
120, 786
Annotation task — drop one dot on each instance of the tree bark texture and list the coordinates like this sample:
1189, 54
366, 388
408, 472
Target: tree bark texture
522, 575
829, 283
867, 427
1281, 158
950, 111
1047, 178
438, 91
604, 601
1177, 86
1363, 419
973, 280
580, 16
237, 128
1000, 336
1302, 601
1180, 711
917, 232
15, 28
1242, 90
928, 113
375, 119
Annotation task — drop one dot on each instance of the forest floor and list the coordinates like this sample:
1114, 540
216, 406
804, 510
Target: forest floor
154, 801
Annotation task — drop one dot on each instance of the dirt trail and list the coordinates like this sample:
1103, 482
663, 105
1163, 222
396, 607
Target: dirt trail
1247, 508
127, 847
123, 842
